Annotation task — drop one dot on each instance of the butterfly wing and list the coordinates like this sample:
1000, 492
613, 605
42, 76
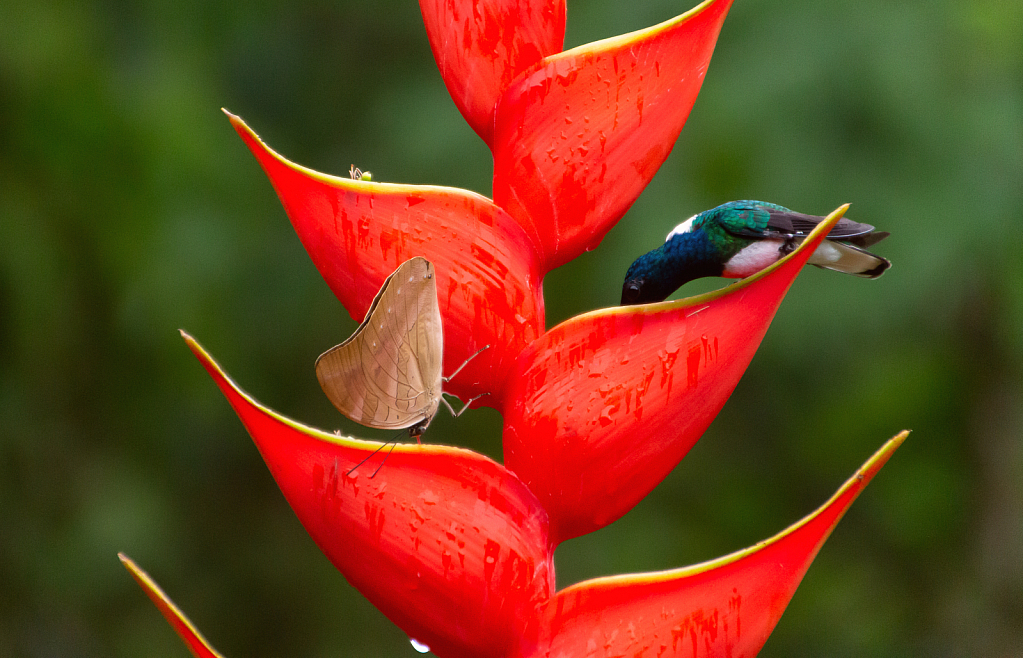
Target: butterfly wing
375, 377
428, 337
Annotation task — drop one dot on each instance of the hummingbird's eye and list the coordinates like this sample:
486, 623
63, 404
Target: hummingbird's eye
630, 291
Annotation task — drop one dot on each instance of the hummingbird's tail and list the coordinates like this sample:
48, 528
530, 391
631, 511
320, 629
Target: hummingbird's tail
850, 259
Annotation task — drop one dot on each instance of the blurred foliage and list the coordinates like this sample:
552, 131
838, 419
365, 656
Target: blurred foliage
129, 208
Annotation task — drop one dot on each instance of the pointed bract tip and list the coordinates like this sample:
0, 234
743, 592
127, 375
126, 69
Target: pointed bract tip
841, 500
237, 123
817, 234
643, 33
881, 457
181, 624
241, 127
204, 357
854, 486
228, 386
192, 343
864, 474
140, 576
835, 215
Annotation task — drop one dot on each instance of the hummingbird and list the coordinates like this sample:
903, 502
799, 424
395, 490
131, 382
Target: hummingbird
740, 238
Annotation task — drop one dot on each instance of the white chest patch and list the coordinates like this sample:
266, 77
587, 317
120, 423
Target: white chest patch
684, 227
826, 254
753, 258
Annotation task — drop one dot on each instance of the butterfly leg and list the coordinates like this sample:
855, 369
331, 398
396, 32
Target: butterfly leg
464, 363
465, 406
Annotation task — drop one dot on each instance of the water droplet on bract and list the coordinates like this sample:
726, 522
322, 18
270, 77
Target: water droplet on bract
418, 646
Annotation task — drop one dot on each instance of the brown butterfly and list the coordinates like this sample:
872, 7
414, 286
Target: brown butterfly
387, 375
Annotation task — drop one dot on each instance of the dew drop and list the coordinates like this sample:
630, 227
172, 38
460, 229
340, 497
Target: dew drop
418, 646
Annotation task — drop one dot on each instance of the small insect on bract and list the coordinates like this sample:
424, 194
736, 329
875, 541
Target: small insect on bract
358, 174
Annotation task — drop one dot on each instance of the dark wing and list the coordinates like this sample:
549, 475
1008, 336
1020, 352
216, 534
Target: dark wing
753, 219
846, 230
800, 224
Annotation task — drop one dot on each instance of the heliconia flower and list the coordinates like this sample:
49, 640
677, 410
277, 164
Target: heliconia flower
583, 394
453, 547
577, 136
455, 550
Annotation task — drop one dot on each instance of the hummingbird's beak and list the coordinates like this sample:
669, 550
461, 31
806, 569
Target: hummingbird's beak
631, 291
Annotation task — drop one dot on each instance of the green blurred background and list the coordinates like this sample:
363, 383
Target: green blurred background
130, 208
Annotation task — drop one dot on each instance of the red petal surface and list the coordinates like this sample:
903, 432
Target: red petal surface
358, 232
448, 544
626, 392
196, 643
577, 140
481, 45
724, 608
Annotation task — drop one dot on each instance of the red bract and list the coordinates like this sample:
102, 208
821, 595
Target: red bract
578, 139
455, 550
448, 544
626, 392
727, 607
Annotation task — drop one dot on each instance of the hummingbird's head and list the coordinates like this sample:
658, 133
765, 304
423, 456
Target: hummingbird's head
645, 281
687, 254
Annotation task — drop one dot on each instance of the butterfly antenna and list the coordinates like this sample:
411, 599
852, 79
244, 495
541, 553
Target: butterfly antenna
464, 363
465, 406
392, 443
384, 460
